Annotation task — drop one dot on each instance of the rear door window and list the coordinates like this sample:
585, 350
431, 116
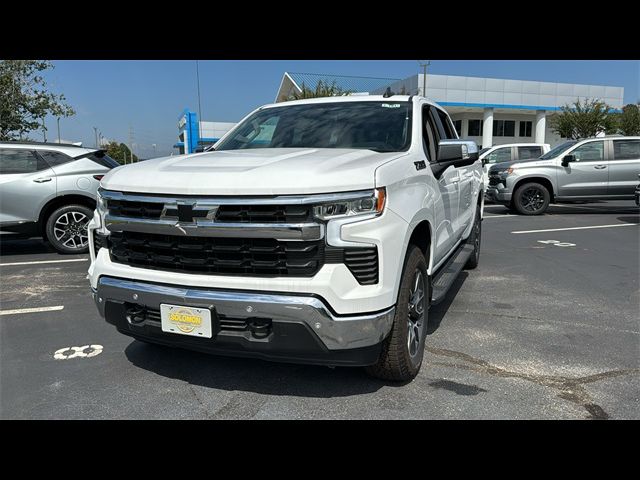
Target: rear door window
20, 161
626, 149
525, 153
101, 158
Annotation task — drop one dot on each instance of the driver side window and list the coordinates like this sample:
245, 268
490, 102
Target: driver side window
499, 155
429, 135
590, 152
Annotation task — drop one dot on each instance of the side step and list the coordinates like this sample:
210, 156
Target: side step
448, 273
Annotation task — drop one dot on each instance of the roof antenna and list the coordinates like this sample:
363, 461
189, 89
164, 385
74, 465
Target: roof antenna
388, 93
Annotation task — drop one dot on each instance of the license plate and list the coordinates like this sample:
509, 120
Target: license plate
186, 320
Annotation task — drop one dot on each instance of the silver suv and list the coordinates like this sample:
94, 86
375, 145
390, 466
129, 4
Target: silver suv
589, 169
49, 190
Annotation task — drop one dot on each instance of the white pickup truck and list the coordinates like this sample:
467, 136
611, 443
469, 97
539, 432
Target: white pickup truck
318, 231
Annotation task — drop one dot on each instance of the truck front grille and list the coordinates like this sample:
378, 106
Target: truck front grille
495, 180
237, 256
208, 255
264, 213
132, 209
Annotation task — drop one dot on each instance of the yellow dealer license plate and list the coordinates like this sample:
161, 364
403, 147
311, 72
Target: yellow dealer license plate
186, 320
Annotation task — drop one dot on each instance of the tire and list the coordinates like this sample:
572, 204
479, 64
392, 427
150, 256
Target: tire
403, 349
66, 229
475, 238
531, 199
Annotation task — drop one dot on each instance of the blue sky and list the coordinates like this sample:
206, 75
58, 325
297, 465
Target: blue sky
150, 95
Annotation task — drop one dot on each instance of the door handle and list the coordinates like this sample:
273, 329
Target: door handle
42, 180
600, 167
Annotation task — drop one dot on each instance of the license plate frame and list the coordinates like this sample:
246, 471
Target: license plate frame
200, 322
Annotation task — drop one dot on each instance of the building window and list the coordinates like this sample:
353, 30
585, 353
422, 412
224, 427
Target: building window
504, 128
475, 128
525, 129
458, 125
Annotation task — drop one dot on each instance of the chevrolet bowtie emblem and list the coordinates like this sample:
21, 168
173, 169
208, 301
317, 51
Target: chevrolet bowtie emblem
185, 212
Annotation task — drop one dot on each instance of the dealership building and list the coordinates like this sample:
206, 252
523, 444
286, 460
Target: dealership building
490, 111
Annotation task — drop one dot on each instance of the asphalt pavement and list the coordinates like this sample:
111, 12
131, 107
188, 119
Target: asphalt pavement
547, 327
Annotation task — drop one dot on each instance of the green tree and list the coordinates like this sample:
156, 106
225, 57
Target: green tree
629, 120
323, 89
25, 99
118, 151
583, 119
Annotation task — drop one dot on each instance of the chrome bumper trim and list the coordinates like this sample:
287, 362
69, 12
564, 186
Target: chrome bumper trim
336, 332
209, 228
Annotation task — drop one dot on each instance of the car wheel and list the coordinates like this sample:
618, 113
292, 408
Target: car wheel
475, 238
531, 199
403, 349
66, 229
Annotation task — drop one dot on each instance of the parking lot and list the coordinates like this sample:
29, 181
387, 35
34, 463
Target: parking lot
547, 327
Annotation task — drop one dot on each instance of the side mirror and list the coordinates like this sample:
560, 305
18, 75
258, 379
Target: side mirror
454, 153
567, 159
457, 151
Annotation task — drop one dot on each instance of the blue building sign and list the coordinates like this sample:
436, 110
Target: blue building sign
188, 132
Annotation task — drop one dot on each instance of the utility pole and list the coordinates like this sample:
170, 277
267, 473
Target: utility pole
44, 130
199, 106
58, 129
424, 66
95, 130
131, 143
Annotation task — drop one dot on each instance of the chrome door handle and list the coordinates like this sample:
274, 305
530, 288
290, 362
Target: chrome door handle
42, 179
600, 167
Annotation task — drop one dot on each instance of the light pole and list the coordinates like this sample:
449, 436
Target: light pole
58, 129
154, 149
95, 129
199, 105
424, 66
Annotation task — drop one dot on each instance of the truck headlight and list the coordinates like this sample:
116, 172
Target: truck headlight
102, 209
369, 202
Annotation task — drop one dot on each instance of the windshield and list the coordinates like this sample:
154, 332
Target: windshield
555, 151
377, 126
486, 149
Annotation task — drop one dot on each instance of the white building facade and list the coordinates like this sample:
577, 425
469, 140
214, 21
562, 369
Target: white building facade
490, 111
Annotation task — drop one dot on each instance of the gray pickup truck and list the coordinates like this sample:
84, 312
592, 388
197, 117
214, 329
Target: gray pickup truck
589, 169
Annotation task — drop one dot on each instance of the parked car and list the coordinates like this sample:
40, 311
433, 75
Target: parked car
49, 190
510, 152
317, 231
588, 169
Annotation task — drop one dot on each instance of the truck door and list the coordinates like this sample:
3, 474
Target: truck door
588, 175
624, 167
447, 184
464, 213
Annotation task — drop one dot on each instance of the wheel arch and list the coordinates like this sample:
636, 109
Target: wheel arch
61, 201
544, 181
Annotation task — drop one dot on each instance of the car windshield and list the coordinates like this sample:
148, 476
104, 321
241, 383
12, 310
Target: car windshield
555, 151
378, 126
486, 149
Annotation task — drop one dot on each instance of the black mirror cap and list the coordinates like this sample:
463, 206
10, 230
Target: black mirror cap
453, 150
568, 159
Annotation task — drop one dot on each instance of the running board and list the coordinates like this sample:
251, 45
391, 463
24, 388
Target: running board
445, 277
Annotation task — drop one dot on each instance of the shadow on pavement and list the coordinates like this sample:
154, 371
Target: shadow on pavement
250, 375
437, 312
32, 246
635, 219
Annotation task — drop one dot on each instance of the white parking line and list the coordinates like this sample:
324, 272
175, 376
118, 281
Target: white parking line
44, 261
498, 216
31, 310
579, 228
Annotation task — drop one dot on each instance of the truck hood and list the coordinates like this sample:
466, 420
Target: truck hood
265, 171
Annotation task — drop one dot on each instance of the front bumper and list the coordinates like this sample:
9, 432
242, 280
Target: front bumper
498, 194
301, 329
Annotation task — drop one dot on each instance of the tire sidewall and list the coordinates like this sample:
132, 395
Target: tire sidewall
518, 198
50, 236
415, 259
